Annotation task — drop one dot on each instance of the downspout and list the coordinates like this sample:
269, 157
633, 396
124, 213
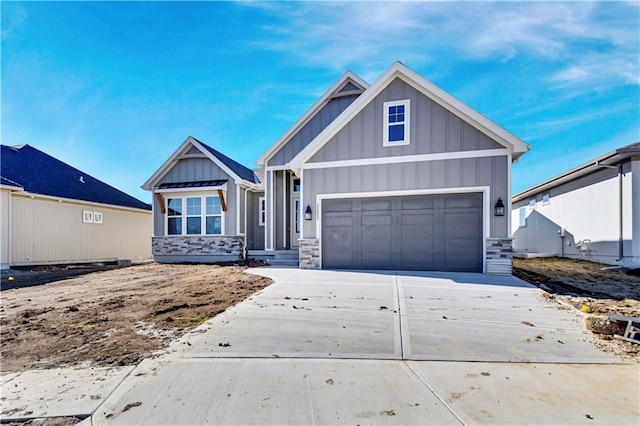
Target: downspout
620, 213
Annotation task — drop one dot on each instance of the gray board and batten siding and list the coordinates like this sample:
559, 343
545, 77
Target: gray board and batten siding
195, 170
433, 130
420, 232
311, 129
428, 175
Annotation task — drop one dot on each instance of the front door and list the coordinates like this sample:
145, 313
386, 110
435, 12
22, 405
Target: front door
295, 212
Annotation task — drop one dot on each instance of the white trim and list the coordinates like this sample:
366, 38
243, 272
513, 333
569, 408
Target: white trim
284, 210
238, 211
309, 114
222, 187
87, 216
75, 201
272, 219
409, 158
406, 123
507, 197
486, 208
302, 201
451, 104
11, 187
97, 217
277, 168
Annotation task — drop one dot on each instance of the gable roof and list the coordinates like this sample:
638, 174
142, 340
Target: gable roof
428, 89
609, 159
40, 173
237, 168
348, 83
234, 169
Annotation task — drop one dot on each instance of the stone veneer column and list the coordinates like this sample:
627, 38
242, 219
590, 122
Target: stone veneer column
499, 256
309, 254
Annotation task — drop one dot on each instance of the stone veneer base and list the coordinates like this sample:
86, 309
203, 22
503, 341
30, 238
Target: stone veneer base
197, 248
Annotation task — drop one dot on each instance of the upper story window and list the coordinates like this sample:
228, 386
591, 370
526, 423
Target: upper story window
194, 219
396, 123
532, 203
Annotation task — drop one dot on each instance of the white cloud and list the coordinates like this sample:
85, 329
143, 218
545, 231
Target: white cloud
574, 41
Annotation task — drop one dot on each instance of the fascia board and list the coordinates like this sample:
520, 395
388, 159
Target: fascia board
148, 185
12, 188
570, 175
398, 70
310, 113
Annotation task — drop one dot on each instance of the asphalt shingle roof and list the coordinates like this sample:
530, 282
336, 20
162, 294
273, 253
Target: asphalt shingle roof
242, 171
40, 173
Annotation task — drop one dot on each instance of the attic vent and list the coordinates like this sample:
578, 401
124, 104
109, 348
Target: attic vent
81, 179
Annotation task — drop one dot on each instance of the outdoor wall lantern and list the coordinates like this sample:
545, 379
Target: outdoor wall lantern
499, 208
307, 213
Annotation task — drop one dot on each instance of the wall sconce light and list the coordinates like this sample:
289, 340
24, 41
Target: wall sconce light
499, 208
307, 213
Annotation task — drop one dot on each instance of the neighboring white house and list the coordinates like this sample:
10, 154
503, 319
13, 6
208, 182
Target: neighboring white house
591, 212
52, 213
393, 175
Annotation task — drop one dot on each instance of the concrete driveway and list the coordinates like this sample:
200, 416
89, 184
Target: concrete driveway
340, 347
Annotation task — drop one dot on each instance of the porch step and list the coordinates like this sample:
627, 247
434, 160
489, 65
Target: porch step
276, 258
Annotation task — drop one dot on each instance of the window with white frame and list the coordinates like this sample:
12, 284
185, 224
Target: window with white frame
201, 215
194, 215
523, 217
97, 217
213, 216
174, 216
87, 216
262, 211
546, 199
396, 123
532, 203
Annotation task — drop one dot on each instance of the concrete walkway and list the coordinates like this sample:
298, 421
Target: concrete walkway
328, 347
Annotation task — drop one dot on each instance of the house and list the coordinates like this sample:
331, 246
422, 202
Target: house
591, 212
393, 175
52, 213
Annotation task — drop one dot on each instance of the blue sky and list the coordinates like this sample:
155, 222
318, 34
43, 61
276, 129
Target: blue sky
113, 88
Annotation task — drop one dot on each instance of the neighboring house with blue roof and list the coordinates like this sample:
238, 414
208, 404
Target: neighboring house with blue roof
52, 213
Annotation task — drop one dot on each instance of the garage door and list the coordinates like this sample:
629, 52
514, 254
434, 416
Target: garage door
422, 232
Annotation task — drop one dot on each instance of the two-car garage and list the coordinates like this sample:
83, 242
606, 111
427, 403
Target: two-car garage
442, 232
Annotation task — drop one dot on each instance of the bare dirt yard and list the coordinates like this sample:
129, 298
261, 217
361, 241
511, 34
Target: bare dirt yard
586, 285
112, 317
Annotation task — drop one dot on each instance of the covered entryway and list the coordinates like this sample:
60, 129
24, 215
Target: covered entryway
419, 232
